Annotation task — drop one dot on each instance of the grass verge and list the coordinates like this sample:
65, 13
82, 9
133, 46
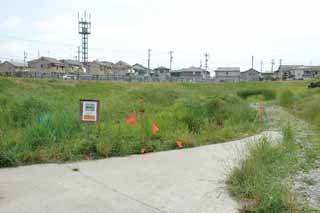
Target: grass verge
259, 181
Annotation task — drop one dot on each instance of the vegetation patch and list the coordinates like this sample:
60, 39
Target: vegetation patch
259, 179
265, 93
39, 120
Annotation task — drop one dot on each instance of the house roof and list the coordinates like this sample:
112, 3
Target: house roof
291, 67
161, 68
228, 69
14, 63
71, 62
191, 69
139, 66
315, 68
107, 63
103, 63
122, 63
250, 70
50, 60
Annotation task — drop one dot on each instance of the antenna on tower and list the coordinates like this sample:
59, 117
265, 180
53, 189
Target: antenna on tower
206, 66
84, 27
171, 59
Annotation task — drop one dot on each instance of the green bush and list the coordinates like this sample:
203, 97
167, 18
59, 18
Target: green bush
267, 94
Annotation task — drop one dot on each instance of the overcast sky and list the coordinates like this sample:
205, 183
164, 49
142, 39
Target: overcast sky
231, 31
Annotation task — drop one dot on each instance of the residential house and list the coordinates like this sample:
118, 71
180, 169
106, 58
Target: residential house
122, 68
228, 74
46, 64
191, 74
315, 70
162, 72
72, 65
140, 70
295, 72
99, 67
250, 75
11, 66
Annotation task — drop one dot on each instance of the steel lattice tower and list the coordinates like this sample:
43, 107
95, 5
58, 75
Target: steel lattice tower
84, 30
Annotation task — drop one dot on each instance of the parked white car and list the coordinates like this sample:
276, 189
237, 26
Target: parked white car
69, 77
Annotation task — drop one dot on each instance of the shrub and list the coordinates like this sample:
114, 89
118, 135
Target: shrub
6, 161
314, 85
267, 94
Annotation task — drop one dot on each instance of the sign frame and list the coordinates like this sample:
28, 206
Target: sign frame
97, 111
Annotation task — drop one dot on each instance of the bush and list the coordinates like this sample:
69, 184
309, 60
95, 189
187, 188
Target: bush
314, 85
267, 94
6, 161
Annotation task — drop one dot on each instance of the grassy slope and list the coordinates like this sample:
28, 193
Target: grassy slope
258, 179
39, 119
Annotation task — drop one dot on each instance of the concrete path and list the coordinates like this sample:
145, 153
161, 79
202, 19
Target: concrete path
182, 181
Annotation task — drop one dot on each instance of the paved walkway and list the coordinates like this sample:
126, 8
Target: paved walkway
182, 181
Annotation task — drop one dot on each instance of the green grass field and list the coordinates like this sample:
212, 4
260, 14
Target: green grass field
39, 123
39, 120
259, 181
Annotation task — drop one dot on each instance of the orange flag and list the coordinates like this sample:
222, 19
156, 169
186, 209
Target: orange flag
180, 144
131, 119
155, 128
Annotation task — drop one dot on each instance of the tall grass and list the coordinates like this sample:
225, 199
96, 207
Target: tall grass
39, 120
260, 178
286, 98
265, 93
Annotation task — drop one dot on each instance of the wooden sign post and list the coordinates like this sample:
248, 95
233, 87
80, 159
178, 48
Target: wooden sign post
89, 113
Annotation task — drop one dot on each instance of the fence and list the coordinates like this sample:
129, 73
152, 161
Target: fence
111, 77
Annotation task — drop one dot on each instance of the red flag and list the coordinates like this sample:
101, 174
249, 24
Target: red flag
131, 119
155, 128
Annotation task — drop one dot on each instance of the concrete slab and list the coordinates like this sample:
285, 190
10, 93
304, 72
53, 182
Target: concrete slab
190, 180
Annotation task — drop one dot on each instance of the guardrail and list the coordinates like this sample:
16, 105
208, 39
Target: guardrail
111, 77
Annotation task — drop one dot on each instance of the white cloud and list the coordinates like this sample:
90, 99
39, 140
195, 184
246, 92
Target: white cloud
11, 22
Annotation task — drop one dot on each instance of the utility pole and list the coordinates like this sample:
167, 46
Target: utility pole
252, 62
149, 56
280, 69
38, 53
79, 54
261, 64
272, 64
206, 61
171, 59
25, 55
